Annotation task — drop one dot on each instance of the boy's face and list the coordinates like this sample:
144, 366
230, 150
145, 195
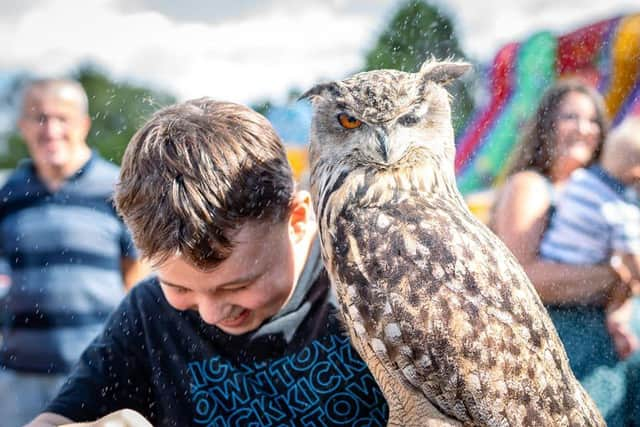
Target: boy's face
246, 289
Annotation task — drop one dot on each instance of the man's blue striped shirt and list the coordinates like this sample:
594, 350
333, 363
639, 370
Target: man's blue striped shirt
64, 249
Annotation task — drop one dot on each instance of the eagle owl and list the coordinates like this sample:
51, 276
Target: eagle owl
440, 310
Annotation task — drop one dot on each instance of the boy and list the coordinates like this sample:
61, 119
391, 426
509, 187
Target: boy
597, 219
238, 327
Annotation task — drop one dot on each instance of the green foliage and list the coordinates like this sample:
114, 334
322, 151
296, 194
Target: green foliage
117, 110
263, 107
416, 32
16, 150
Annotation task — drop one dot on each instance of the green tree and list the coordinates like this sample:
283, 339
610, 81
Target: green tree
416, 32
117, 110
14, 149
263, 106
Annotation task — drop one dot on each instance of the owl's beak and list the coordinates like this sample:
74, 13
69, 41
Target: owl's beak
383, 143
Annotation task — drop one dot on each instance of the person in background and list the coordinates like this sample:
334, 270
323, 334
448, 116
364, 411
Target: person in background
597, 218
567, 133
239, 327
70, 255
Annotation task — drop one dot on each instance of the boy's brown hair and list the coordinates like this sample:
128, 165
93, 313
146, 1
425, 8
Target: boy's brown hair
195, 173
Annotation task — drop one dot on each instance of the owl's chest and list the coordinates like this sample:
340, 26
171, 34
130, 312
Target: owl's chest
391, 240
408, 241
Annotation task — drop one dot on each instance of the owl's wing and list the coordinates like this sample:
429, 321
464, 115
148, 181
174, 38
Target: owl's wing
455, 312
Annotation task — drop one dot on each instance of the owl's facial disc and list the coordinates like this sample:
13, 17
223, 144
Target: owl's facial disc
394, 139
379, 146
382, 149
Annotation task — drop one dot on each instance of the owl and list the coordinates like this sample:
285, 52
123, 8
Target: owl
440, 310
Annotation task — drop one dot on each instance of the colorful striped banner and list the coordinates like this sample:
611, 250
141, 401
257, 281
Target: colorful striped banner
605, 54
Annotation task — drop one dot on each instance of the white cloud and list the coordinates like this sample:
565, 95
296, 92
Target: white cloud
484, 29
252, 50
258, 56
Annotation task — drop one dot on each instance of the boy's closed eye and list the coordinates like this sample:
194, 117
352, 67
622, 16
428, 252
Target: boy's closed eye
236, 287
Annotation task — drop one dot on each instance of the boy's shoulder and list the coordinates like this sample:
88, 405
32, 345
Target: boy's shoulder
144, 302
594, 189
148, 292
594, 186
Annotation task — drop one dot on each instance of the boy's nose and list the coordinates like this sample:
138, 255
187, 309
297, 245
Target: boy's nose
213, 312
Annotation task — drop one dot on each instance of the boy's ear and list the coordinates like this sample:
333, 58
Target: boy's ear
301, 218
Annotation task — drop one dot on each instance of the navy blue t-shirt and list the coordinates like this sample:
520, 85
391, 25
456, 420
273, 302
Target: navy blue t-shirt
297, 369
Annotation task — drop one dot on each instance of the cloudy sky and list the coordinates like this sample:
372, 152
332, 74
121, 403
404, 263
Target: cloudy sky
247, 50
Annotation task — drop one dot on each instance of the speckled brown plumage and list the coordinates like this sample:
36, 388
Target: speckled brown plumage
449, 324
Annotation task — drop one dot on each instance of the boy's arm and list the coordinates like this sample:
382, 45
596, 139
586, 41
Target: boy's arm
624, 220
620, 307
627, 265
49, 419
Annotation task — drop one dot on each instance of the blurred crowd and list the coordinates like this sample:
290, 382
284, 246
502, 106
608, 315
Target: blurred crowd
570, 213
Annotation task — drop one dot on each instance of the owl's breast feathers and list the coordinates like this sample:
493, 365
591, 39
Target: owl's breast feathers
448, 305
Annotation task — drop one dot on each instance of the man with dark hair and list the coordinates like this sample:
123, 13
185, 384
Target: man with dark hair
239, 326
69, 253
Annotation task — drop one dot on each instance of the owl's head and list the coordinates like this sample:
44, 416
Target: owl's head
384, 118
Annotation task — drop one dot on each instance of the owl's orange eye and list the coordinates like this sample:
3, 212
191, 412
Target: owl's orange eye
348, 122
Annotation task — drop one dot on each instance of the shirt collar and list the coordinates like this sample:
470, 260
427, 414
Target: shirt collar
31, 168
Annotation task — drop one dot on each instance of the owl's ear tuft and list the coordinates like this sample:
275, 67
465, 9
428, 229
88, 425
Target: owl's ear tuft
320, 91
443, 72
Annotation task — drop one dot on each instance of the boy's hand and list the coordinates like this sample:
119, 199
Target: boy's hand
122, 418
627, 267
619, 327
619, 293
